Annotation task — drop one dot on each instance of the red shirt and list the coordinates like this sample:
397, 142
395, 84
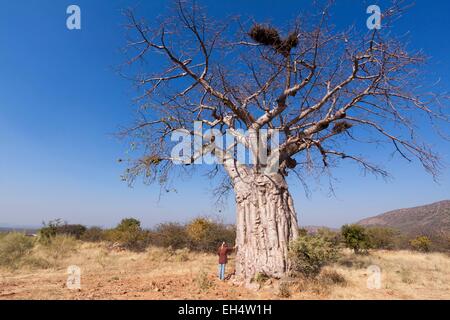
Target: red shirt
223, 254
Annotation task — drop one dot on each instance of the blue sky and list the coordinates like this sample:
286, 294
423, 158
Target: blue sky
61, 103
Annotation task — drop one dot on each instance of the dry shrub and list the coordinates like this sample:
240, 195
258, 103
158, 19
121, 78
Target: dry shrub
156, 254
322, 284
129, 235
60, 247
182, 255
261, 278
102, 258
314, 286
355, 261
206, 235
93, 234
284, 290
319, 288
383, 238
14, 247
203, 282
58, 227
332, 277
198, 229
334, 237
406, 276
170, 235
201, 234
36, 262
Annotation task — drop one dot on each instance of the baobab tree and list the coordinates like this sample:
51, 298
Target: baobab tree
323, 91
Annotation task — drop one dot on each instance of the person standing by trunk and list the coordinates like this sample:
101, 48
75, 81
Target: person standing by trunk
223, 252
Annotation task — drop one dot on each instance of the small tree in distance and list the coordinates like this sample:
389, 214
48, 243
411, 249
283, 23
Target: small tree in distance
129, 234
421, 243
356, 238
129, 224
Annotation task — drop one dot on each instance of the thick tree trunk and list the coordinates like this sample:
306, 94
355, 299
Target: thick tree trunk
266, 223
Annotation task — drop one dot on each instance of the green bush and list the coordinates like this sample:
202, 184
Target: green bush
49, 230
14, 247
383, 238
302, 232
440, 241
74, 230
332, 277
93, 234
221, 232
129, 224
199, 229
206, 235
129, 235
335, 237
356, 238
421, 243
309, 254
200, 234
203, 282
260, 278
171, 235
57, 226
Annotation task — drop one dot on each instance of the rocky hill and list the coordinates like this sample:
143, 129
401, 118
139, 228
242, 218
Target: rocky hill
428, 219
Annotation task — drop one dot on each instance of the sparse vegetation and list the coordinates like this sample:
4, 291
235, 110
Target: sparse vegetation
383, 238
170, 235
158, 274
58, 227
312, 258
406, 276
332, 277
93, 234
200, 234
283, 290
14, 247
335, 237
206, 235
59, 247
18, 250
203, 282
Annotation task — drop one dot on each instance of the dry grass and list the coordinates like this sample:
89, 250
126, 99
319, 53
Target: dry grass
404, 275
179, 274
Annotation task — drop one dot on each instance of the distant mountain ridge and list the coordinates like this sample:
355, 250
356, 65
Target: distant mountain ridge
19, 229
427, 219
314, 229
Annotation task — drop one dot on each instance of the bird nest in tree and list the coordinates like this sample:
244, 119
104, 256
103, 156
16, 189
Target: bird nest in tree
341, 126
269, 36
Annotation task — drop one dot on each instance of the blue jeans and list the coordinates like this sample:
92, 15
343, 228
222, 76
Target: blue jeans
222, 271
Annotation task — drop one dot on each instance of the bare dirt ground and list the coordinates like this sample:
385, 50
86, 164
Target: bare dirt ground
167, 274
